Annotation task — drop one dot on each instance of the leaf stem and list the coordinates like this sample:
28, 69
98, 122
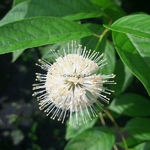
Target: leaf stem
117, 127
103, 33
100, 38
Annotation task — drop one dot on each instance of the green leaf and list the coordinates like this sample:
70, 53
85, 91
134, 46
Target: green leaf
109, 55
92, 139
131, 54
139, 128
16, 13
136, 25
106, 3
142, 146
73, 131
16, 54
58, 47
16, 2
84, 10
131, 105
46, 51
131, 36
38, 31
91, 41
110, 8
78, 9
71, 10
123, 78
131, 142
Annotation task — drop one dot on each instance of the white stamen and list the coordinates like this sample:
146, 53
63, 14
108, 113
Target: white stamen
71, 85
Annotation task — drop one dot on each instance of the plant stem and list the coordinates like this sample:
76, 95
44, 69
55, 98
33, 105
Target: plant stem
102, 119
117, 127
104, 124
100, 38
115, 147
103, 33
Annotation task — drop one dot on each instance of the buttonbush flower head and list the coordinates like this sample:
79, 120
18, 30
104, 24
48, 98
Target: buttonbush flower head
72, 85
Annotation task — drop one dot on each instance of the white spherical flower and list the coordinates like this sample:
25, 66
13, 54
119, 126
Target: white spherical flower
72, 85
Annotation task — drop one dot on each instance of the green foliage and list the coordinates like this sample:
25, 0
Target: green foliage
101, 25
71, 10
16, 54
92, 139
110, 8
109, 55
16, 2
139, 128
131, 105
131, 37
142, 146
123, 78
16, 13
72, 131
38, 31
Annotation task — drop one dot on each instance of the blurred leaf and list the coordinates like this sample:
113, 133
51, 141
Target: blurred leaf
131, 36
46, 51
142, 146
34, 127
72, 131
16, 13
16, 2
123, 78
71, 10
139, 128
118, 2
16, 54
112, 10
36, 147
109, 55
113, 15
106, 4
32, 134
12, 118
91, 41
38, 31
93, 139
58, 47
131, 142
131, 105
17, 136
